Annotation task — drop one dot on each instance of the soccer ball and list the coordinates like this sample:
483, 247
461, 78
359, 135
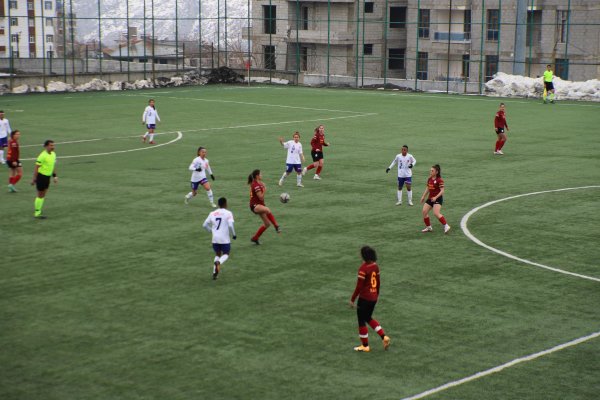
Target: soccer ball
284, 197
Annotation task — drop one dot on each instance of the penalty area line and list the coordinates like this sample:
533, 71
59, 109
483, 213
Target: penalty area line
464, 221
499, 368
179, 136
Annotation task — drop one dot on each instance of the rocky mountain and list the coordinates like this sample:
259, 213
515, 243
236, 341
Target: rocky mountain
113, 18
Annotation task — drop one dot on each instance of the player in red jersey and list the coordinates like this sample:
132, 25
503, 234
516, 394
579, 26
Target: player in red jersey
317, 143
257, 204
435, 198
499, 125
367, 291
12, 161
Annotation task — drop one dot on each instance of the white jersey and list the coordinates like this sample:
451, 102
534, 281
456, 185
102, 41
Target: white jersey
220, 223
4, 128
150, 116
294, 150
199, 162
403, 162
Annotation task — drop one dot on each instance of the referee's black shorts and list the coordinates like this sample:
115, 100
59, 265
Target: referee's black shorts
42, 182
364, 311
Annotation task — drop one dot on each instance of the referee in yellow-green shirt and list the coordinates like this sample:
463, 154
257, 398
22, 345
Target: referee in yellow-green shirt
45, 168
548, 85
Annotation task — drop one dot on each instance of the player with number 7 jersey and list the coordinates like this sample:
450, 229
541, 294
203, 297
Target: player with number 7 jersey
220, 224
367, 291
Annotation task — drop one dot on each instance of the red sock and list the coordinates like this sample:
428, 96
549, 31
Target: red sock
311, 166
497, 145
17, 179
363, 333
377, 328
443, 220
319, 169
259, 232
11, 180
427, 221
272, 219
501, 144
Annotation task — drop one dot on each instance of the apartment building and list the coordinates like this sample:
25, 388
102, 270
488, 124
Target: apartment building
27, 28
458, 40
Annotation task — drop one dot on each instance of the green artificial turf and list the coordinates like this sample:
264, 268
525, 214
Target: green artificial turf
111, 297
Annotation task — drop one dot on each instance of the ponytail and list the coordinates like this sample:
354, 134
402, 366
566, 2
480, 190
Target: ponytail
253, 176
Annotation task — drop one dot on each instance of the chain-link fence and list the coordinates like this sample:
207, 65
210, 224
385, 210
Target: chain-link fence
446, 45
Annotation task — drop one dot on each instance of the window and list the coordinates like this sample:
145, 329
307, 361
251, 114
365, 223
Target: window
493, 25
269, 54
424, 19
12, 4
369, 6
31, 38
32, 53
397, 17
49, 38
49, 22
367, 49
2, 49
562, 68
47, 5
270, 19
304, 22
30, 6
14, 38
2, 31
303, 58
15, 54
491, 67
31, 22
562, 21
465, 66
14, 22
50, 54
534, 27
422, 65
396, 58
467, 24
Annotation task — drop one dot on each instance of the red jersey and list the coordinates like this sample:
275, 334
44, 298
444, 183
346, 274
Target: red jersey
13, 150
500, 120
255, 188
434, 185
317, 142
368, 283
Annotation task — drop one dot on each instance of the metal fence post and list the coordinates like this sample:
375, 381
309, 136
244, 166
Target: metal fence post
481, 74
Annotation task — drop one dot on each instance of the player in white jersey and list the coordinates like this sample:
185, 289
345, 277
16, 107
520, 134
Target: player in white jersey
4, 132
220, 223
200, 168
150, 118
295, 158
405, 163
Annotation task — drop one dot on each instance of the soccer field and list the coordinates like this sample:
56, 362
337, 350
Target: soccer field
112, 296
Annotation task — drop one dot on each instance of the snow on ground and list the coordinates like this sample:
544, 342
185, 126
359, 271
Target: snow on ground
505, 85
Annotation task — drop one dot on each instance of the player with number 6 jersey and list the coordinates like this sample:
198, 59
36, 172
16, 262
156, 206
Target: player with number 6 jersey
405, 163
220, 224
367, 291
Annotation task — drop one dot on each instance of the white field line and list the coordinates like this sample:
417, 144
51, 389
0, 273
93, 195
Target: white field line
499, 368
208, 129
257, 104
465, 220
179, 136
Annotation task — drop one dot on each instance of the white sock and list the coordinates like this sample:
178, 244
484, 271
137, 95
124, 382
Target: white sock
146, 135
151, 137
298, 179
283, 176
399, 195
216, 258
224, 258
2, 155
189, 195
409, 194
210, 196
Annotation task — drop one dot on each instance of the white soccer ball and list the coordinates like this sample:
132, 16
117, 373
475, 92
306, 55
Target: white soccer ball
284, 197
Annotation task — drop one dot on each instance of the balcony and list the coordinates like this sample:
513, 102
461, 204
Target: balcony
320, 37
455, 37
